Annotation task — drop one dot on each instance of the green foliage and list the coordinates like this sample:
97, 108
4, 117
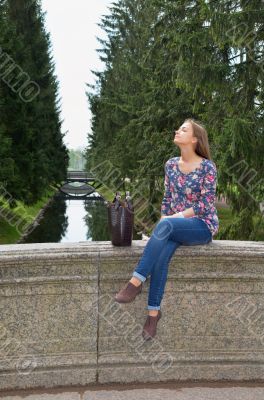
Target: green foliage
168, 60
77, 160
31, 143
20, 215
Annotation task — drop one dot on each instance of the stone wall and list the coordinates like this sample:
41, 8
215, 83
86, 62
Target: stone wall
59, 324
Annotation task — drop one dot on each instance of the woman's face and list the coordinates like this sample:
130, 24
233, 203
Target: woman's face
184, 135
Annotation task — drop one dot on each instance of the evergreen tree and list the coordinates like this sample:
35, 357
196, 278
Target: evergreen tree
6, 159
30, 108
168, 60
220, 49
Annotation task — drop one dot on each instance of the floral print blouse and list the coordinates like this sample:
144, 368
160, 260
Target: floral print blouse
194, 189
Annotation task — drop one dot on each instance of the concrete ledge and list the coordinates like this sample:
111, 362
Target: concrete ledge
59, 324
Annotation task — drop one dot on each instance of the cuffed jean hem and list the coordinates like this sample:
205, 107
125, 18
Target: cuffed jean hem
153, 307
139, 276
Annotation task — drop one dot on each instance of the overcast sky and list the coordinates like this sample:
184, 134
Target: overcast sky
73, 29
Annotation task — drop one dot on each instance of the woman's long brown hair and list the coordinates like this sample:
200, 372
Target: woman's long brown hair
202, 146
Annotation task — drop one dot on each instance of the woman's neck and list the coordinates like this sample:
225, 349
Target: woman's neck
188, 155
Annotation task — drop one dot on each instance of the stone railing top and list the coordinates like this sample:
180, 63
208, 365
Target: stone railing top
105, 248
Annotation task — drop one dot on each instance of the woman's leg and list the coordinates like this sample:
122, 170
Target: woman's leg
152, 251
168, 234
182, 230
160, 272
191, 231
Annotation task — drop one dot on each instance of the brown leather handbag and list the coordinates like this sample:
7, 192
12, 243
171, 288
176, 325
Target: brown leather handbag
121, 220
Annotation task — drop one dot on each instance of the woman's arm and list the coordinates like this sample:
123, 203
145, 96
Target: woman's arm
166, 201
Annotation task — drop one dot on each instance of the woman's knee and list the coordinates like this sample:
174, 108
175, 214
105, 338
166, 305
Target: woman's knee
163, 229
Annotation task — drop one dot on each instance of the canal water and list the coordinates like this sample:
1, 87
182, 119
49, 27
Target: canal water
73, 221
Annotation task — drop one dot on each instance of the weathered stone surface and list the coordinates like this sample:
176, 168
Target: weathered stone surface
60, 326
62, 396
169, 392
180, 394
48, 325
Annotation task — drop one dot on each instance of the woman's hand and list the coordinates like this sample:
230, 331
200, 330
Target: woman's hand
177, 215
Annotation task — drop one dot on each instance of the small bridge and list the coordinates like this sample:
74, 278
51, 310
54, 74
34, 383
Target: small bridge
80, 176
80, 185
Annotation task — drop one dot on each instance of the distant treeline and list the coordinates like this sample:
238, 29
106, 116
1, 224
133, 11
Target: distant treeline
167, 60
32, 152
77, 160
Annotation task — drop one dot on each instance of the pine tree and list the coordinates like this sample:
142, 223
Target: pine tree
219, 52
168, 60
6, 158
30, 109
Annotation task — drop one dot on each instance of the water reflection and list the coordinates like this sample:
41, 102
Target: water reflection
73, 221
96, 220
53, 226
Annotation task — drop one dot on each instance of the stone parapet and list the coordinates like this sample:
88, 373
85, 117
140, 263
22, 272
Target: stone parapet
59, 325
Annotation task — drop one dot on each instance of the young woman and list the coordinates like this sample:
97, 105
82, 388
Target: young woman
188, 217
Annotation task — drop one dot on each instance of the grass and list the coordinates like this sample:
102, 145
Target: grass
9, 233
225, 217
106, 193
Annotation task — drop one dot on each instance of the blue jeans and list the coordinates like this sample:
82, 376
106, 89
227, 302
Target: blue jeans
166, 237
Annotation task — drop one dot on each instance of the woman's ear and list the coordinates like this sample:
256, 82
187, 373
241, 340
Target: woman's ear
194, 139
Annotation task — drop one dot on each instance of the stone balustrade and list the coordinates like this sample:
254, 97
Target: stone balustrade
59, 325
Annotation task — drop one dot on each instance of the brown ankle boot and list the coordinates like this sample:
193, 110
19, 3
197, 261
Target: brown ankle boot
128, 293
150, 327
